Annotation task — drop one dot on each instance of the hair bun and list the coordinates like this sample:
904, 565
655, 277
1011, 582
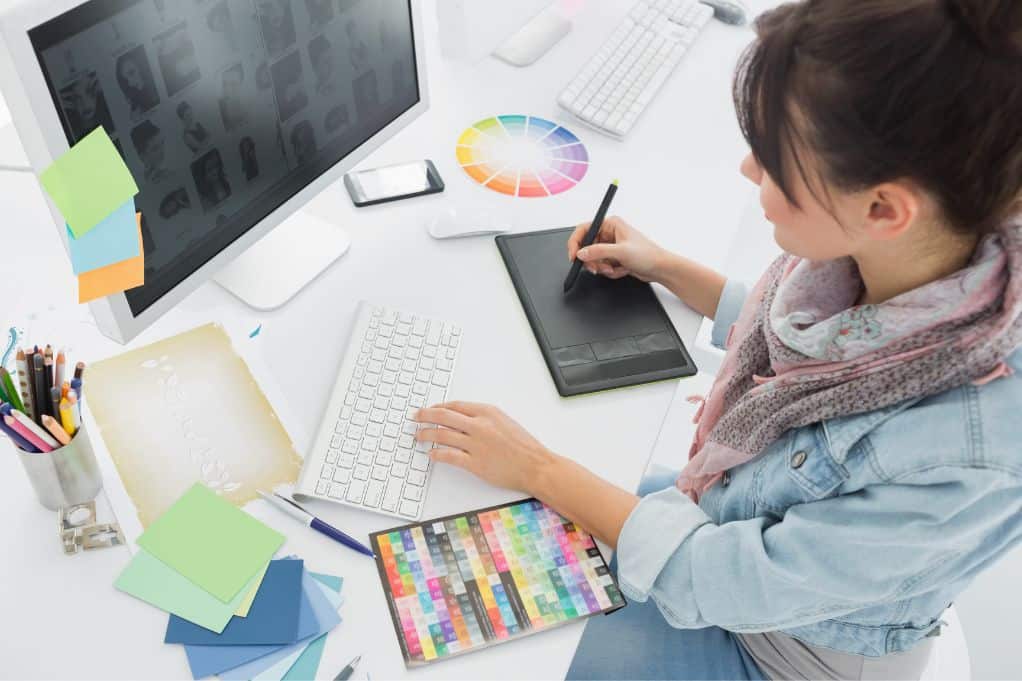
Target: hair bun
996, 25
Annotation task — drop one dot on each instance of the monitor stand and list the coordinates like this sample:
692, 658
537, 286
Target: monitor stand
283, 262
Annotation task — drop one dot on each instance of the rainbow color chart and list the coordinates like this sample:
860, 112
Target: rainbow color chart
476, 579
522, 156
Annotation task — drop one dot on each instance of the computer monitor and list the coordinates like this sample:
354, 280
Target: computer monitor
230, 114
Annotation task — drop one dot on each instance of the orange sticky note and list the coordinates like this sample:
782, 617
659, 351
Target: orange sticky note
114, 278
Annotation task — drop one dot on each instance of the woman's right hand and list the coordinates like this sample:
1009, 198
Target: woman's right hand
619, 250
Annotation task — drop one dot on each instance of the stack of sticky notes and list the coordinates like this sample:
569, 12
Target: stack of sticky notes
94, 191
238, 612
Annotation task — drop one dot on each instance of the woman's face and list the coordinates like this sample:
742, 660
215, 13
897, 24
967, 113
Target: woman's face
808, 230
131, 74
212, 170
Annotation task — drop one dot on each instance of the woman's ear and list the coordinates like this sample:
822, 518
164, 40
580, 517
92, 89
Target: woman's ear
892, 209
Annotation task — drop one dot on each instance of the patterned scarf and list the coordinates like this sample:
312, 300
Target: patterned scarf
802, 351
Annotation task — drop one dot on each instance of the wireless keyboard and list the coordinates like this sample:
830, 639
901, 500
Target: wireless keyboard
365, 454
621, 79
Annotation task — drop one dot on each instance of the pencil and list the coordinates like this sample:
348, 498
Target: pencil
25, 421
32, 403
48, 356
19, 428
56, 430
19, 441
54, 400
48, 378
66, 419
64, 388
76, 412
21, 366
11, 390
76, 385
79, 368
59, 366
3, 390
41, 395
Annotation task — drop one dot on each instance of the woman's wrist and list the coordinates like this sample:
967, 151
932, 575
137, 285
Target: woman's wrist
546, 471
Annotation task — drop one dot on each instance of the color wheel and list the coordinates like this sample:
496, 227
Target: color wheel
522, 156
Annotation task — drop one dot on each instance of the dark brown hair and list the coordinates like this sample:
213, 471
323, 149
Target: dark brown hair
928, 91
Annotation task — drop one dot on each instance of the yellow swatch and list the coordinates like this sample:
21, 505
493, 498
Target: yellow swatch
246, 602
115, 278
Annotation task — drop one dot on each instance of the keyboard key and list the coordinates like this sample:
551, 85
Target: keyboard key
404, 327
402, 390
359, 419
366, 392
356, 490
409, 509
374, 430
420, 461
361, 472
444, 364
409, 365
405, 378
392, 495
416, 342
380, 472
342, 475
346, 460
423, 375
419, 327
345, 415
322, 487
440, 378
417, 401
370, 444
429, 351
395, 417
427, 363
374, 494
335, 441
420, 388
349, 399
403, 454
378, 415
350, 446
412, 492
327, 471
366, 457
363, 405
433, 334
451, 353
399, 340
395, 352
384, 458
382, 343
372, 380
379, 355
388, 444
386, 388
416, 478
391, 430
393, 364
331, 455
399, 470
381, 402
386, 330
337, 490
409, 428
374, 367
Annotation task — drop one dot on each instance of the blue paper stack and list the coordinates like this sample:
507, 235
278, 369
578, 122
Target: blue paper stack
283, 635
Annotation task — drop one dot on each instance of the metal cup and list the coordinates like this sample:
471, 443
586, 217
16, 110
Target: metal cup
66, 476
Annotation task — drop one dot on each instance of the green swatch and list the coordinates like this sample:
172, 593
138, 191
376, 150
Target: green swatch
148, 579
213, 544
89, 182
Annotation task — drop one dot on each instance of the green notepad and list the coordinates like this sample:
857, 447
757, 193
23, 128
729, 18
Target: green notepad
148, 579
89, 182
213, 544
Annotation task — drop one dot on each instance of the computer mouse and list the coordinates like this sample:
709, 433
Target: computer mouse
729, 11
452, 223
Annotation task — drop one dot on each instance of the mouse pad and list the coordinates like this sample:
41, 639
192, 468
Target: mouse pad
603, 333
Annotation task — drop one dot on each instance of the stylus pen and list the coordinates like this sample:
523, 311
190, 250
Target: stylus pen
594, 229
300, 514
346, 673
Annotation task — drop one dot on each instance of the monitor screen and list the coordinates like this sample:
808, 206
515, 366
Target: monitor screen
225, 109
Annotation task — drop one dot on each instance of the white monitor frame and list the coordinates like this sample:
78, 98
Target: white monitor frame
38, 125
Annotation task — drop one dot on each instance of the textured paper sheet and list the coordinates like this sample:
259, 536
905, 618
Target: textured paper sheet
184, 410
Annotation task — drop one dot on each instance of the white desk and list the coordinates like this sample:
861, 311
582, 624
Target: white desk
679, 182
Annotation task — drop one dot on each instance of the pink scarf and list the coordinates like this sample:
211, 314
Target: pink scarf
802, 351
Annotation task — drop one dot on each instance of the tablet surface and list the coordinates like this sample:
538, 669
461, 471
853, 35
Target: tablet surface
603, 333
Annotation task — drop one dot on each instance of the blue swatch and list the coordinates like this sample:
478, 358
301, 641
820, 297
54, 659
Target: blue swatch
206, 660
112, 240
272, 620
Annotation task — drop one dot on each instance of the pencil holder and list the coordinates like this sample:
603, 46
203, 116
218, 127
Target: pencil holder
66, 476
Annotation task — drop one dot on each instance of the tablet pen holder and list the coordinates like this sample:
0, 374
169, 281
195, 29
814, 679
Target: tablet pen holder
66, 476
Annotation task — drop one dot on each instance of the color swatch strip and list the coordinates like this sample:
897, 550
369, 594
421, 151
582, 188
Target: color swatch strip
473, 580
522, 155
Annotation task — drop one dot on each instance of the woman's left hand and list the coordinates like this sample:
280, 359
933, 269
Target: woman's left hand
483, 440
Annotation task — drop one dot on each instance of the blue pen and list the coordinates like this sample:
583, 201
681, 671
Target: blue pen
20, 442
300, 514
76, 385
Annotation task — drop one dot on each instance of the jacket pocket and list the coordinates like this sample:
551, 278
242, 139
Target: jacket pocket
798, 469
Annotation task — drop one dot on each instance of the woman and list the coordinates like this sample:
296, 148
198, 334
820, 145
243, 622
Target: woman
857, 461
136, 82
193, 132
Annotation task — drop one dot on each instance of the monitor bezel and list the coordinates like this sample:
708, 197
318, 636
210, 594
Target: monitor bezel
38, 124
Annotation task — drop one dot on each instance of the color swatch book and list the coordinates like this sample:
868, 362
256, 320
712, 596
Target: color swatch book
476, 579
523, 156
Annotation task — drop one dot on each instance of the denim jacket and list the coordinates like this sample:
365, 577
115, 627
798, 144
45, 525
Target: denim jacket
854, 533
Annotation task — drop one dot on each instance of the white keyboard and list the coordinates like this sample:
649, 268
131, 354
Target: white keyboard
365, 454
618, 83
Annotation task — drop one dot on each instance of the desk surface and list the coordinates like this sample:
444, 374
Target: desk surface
679, 182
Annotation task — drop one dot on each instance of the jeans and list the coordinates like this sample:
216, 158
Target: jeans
637, 643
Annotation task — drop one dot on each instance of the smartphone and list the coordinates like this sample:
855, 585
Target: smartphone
391, 183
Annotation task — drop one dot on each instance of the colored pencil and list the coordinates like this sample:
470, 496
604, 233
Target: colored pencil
54, 400
64, 388
76, 385
56, 430
59, 367
11, 389
20, 442
32, 427
66, 418
21, 366
19, 428
42, 399
79, 368
76, 412
48, 365
30, 364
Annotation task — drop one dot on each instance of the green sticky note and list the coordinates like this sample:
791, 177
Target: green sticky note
148, 579
213, 544
89, 182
